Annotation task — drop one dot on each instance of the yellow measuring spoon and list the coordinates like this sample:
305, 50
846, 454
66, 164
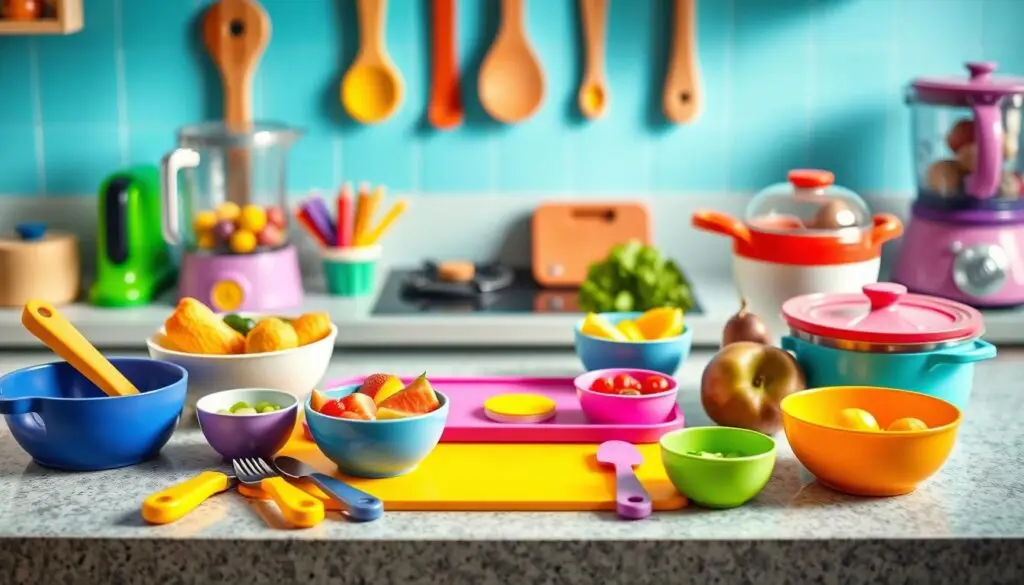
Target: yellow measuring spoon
50, 327
372, 89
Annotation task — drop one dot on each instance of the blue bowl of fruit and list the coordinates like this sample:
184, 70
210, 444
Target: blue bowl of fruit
371, 433
653, 340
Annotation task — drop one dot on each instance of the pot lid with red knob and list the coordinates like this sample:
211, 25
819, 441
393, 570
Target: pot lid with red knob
808, 203
883, 314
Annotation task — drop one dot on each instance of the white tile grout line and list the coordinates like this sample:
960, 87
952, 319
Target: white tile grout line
123, 128
730, 40
37, 114
811, 78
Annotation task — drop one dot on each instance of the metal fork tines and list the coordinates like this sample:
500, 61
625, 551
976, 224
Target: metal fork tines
297, 507
252, 469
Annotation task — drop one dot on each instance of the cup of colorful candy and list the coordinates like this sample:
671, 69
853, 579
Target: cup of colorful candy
351, 271
247, 422
869, 441
235, 229
653, 340
370, 432
620, 396
64, 421
718, 467
245, 350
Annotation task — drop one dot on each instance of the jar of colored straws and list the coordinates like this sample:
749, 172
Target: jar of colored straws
349, 242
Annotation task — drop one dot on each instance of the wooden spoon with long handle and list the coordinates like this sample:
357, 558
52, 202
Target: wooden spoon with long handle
683, 98
593, 94
236, 32
445, 109
511, 83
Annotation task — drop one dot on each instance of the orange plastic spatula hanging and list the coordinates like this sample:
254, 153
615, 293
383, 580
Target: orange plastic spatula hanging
50, 327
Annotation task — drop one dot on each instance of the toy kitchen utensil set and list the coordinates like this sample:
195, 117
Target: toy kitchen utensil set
967, 228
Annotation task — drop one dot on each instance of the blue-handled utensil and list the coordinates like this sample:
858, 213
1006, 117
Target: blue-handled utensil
359, 505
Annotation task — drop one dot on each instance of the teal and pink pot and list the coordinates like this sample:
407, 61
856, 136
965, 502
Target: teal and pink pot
888, 338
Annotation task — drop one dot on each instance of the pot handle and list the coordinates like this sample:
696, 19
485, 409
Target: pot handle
720, 223
982, 350
788, 343
886, 227
15, 406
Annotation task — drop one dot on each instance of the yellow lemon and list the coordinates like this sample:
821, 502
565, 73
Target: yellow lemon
630, 330
661, 323
857, 419
597, 326
907, 424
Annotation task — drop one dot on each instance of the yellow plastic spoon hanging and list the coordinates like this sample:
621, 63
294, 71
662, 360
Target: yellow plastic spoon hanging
372, 89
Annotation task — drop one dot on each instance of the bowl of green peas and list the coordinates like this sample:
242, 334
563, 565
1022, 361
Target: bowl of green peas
247, 422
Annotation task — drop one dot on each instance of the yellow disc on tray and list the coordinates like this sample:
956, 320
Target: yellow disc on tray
519, 408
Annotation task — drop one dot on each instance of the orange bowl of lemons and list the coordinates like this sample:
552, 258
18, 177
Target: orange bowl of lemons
870, 441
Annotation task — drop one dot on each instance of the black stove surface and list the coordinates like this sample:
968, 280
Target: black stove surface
523, 295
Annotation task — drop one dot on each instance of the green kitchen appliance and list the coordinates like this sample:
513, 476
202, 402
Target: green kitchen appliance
133, 263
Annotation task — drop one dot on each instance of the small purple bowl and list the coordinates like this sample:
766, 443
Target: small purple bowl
247, 435
617, 409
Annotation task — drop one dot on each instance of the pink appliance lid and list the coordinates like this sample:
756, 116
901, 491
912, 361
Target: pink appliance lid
980, 87
885, 313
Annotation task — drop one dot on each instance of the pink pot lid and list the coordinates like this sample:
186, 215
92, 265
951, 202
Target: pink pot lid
885, 314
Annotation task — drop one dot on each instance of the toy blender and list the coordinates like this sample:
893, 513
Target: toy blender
228, 213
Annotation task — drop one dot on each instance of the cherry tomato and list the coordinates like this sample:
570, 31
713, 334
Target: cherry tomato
332, 408
603, 385
626, 382
655, 384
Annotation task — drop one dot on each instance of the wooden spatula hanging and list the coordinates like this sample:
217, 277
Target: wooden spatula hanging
683, 98
236, 33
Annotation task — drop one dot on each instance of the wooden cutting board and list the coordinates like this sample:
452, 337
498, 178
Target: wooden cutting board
569, 237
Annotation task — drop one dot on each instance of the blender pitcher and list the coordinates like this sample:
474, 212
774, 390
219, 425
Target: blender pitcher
236, 255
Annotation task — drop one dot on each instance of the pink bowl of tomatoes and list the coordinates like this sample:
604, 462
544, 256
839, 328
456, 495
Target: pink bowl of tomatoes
623, 396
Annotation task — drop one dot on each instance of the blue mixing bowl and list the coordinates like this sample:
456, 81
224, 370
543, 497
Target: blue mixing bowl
660, 355
64, 421
376, 448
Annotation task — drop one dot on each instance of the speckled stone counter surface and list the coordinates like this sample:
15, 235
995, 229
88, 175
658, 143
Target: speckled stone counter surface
965, 526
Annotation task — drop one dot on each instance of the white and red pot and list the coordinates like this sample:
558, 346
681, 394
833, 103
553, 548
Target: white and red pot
801, 237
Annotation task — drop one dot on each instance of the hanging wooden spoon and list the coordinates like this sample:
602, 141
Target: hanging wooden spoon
372, 89
445, 109
683, 98
593, 94
236, 33
511, 83
50, 327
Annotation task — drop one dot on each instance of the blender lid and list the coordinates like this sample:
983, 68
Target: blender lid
219, 134
884, 314
979, 88
810, 204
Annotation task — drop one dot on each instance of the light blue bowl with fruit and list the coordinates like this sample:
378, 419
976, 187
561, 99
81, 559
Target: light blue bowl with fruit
374, 448
660, 355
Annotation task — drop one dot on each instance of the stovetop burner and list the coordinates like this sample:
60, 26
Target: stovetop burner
505, 290
486, 279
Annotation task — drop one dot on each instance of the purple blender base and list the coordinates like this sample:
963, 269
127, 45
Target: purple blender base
269, 280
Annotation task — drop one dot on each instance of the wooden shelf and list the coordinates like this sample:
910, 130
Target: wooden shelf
68, 20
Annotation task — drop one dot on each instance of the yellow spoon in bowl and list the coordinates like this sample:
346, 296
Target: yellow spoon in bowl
50, 327
372, 89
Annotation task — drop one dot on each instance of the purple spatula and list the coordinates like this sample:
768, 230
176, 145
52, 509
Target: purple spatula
631, 499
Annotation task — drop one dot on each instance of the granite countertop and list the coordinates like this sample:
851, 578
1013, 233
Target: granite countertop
964, 526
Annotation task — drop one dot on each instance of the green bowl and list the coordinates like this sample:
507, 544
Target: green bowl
718, 482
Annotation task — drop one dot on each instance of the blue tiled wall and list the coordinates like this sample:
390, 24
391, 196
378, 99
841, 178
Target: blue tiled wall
788, 83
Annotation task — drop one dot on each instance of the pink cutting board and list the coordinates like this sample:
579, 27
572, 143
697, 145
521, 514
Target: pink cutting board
467, 422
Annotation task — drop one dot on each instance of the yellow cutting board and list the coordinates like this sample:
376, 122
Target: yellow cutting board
503, 476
